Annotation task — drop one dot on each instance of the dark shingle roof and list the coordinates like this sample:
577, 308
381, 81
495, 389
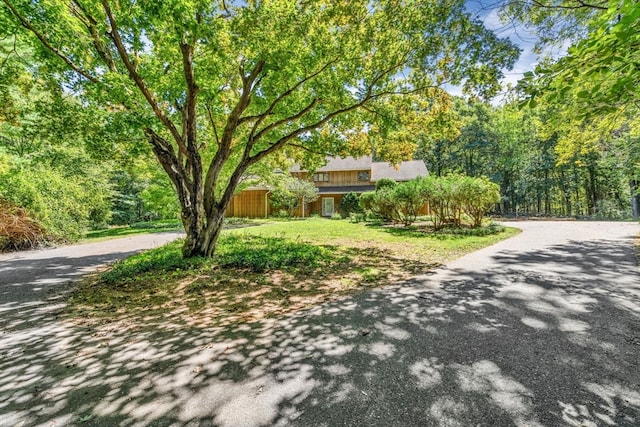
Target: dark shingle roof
342, 164
405, 171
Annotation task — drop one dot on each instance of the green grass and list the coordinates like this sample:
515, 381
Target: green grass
444, 245
268, 270
129, 230
152, 227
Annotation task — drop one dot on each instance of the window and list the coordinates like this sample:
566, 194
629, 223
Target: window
321, 177
363, 176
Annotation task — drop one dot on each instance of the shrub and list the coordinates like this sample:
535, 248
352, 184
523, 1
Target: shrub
350, 204
290, 191
477, 196
385, 183
380, 203
610, 210
357, 217
449, 198
336, 215
65, 206
408, 198
262, 253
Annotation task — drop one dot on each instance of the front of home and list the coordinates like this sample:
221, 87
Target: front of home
338, 177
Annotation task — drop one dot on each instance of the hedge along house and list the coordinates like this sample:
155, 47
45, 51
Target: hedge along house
338, 177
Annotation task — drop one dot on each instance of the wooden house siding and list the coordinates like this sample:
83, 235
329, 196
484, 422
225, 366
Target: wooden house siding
343, 178
249, 204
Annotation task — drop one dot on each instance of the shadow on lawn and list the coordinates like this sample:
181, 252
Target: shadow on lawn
508, 346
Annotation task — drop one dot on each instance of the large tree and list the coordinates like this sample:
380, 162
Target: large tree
218, 86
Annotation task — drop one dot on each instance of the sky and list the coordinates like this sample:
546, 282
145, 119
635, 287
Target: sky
525, 38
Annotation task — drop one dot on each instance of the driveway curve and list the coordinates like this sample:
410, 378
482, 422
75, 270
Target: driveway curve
540, 330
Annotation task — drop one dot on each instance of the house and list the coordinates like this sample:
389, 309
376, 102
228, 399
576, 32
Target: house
337, 178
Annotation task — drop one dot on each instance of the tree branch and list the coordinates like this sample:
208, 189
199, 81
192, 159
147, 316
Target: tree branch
581, 4
122, 52
193, 155
90, 23
266, 129
167, 157
213, 123
285, 94
369, 95
282, 141
26, 24
224, 147
191, 102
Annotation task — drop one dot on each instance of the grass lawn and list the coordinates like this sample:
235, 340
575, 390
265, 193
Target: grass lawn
129, 230
267, 270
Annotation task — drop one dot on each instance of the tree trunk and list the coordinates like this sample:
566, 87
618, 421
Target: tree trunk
202, 239
635, 203
592, 197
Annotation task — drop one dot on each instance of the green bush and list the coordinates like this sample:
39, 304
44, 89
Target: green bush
452, 196
66, 206
380, 203
477, 196
450, 199
385, 183
164, 258
350, 204
408, 198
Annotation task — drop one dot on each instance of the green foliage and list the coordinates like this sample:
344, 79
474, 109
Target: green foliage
289, 192
379, 203
162, 259
65, 205
478, 195
491, 229
350, 204
448, 197
264, 253
595, 74
142, 193
385, 184
408, 197
336, 216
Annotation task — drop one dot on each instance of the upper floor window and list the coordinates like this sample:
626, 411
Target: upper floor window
363, 176
321, 177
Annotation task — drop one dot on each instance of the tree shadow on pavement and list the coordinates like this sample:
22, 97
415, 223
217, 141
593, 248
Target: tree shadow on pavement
541, 339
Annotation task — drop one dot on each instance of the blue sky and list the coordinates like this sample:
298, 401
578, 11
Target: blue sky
488, 12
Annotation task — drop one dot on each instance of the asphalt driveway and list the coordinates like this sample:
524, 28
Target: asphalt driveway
540, 330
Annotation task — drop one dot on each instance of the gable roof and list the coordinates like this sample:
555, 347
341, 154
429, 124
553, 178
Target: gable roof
406, 170
335, 164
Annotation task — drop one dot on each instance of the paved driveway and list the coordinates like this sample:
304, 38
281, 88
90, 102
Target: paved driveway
539, 330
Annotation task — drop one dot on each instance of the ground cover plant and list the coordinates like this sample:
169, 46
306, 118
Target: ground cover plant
264, 271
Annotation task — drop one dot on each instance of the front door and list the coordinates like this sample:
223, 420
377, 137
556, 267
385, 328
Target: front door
327, 206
